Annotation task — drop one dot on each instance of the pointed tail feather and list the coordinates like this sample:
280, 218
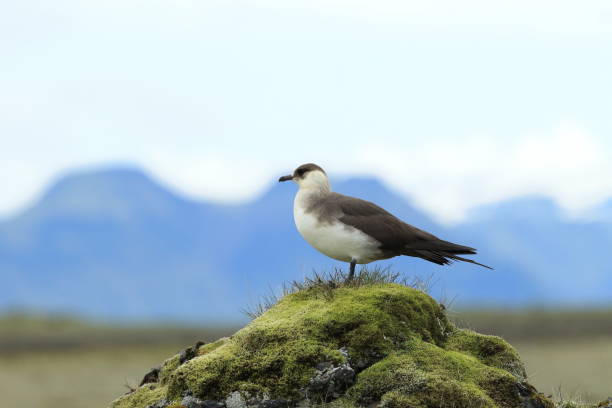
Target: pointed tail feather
445, 256
447, 246
459, 258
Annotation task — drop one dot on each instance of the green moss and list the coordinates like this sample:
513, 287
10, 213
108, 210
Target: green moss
171, 364
278, 351
425, 375
491, 350
399, 341
168, 367
392, 373
143, 396
207, 348
440, 393
539, 400
343, 402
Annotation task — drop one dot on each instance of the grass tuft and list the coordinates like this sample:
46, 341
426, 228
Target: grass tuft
324, 283
572, 400
268, 300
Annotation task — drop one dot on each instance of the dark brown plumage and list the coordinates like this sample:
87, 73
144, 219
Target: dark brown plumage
395, 236
358, 231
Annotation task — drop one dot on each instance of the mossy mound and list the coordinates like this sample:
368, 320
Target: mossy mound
348, 346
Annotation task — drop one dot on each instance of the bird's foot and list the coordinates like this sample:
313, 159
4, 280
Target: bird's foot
351, 274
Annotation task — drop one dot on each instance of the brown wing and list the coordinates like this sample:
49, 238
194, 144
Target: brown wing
390, 231
393, 234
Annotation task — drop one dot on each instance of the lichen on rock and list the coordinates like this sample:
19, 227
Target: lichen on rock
348, 346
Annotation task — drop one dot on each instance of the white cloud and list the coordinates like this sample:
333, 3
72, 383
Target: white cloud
192, 16
444, 176
448, 178
587, 17
218, 98
213, 176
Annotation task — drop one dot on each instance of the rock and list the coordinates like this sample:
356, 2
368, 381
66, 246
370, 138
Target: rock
371, 345
330, 381
274, 403
238, 400
530, 398
151, 377
193, 402
213, 404
190, 352
163, 403
235, 400
605, 404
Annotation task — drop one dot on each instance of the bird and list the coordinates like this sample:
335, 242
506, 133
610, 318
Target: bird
357, 231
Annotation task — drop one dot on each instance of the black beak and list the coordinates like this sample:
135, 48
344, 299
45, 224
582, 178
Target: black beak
285, 178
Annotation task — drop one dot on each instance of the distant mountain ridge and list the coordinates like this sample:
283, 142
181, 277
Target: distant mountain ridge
116, 244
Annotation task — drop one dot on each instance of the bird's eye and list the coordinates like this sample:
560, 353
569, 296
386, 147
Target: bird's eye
300, 171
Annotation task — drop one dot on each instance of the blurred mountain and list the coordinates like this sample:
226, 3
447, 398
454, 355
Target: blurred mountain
602, 212
116, 244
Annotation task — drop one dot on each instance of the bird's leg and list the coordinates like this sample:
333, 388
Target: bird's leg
352, 270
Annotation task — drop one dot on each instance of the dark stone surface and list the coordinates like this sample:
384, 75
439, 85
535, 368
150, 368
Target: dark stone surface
190, 352
331, 381
151, 377
366, 360
193, 402
275, 403
160, 404
213, 404
530, 397
605, 404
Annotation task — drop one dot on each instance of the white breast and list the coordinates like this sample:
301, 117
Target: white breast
335, 239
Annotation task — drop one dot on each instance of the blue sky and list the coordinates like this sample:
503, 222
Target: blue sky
453, 103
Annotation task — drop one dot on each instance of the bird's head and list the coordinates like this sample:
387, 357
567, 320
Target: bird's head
309, 176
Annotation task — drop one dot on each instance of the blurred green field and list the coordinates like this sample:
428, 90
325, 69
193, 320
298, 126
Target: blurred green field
578, 369
66, 363
75, 378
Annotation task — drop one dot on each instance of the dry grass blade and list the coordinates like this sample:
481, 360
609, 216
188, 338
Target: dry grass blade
324, 283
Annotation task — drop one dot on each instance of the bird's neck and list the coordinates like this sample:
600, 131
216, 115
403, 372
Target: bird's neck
315, 188
306, 195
